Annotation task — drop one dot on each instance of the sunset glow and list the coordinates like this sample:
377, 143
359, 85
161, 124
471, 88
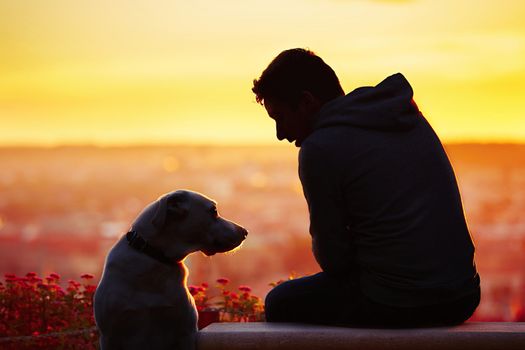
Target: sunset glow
124, 72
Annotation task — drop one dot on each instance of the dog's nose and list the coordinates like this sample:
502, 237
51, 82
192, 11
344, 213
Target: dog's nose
244, 232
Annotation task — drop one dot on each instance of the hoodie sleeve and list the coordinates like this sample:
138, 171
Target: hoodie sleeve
331, 241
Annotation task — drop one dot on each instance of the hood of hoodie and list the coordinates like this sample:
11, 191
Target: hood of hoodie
387, 106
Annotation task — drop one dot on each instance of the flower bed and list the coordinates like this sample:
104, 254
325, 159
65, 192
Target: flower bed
38, 313
42, 313
227, 305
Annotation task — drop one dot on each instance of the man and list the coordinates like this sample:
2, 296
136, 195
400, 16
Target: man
386, 219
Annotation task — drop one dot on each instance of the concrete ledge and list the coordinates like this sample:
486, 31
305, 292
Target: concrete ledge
253, 336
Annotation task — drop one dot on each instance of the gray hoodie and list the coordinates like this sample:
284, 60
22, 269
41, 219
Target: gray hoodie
385, 209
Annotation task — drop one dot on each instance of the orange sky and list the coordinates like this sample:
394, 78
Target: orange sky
121, 72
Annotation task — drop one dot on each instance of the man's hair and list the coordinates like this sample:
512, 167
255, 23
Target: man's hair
294, 71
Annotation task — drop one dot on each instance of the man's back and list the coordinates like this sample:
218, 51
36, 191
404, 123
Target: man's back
383, 199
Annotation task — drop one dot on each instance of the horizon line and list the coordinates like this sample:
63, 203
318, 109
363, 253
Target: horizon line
212, 144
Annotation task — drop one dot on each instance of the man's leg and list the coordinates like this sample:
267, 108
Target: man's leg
313, 299
320, 299
446, 314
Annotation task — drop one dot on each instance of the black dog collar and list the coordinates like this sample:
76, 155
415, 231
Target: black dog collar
140, 244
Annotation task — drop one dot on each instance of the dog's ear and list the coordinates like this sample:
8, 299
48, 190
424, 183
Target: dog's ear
159, 216
172, 205
177, 205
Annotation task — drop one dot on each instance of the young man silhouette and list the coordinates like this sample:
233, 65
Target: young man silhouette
387, 224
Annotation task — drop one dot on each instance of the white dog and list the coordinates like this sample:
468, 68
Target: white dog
142, 301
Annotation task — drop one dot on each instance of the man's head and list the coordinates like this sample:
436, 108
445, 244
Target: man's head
293, 88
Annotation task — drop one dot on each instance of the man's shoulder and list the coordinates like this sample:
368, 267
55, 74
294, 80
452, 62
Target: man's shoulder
332, 140
311, 147
322, 148
322, 138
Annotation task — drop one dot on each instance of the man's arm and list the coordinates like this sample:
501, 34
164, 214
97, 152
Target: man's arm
322, 186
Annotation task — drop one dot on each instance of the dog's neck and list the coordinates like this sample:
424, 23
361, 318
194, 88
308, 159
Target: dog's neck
136, 241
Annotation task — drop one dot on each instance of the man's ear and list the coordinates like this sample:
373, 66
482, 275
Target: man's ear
309, 102
177, 205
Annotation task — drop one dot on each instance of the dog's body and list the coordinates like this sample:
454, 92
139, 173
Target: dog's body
142, 301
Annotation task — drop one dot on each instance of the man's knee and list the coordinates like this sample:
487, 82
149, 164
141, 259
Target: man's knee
291, 301
276, 303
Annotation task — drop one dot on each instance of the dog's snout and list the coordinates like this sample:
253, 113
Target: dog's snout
243, 232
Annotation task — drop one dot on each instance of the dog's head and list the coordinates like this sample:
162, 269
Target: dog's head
182, 222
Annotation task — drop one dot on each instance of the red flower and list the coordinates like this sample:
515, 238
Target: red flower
205, 285
43, 286
194, 290
31, 274
74, 283
54, 275
87, 276
90, 288
52, 287
245, 289
234, 295
36, 279
223, 281
10, 277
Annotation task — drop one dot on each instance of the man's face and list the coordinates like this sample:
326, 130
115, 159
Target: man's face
292, 124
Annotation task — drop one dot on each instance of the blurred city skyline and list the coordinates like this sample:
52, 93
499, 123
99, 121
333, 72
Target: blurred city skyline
62, 208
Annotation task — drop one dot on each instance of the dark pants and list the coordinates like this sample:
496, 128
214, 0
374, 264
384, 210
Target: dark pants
320, 299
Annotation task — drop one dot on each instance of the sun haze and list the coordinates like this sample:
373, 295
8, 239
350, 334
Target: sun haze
124, 72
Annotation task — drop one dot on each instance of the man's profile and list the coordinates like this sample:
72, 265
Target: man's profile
386, 219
